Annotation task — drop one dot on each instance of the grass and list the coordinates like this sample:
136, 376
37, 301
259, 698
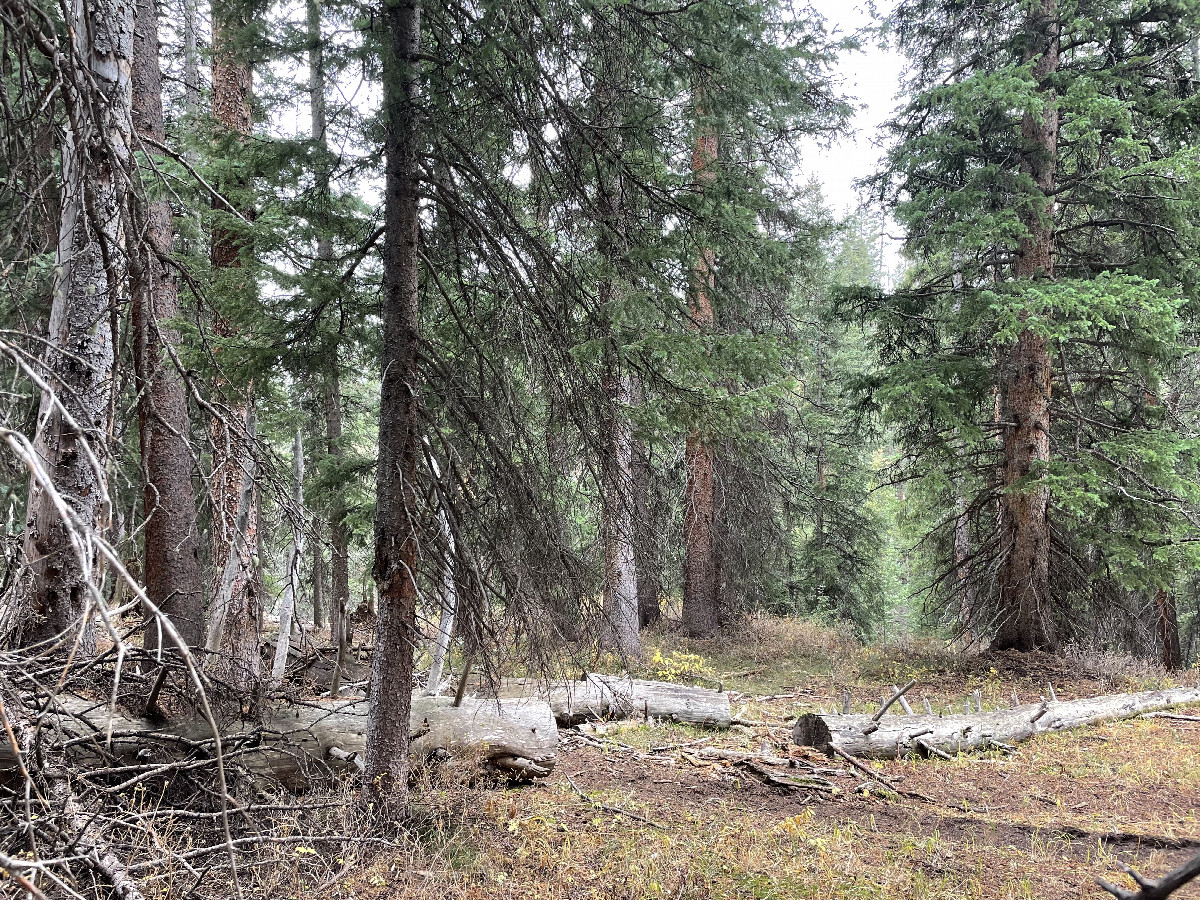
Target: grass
994, 831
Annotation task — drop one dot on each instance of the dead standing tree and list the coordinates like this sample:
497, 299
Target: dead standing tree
75, 415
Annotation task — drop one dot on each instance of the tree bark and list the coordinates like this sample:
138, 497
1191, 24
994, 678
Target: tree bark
396, 513
621, 620
291, 591
234, 624
701, 601
1026, 620
967, 601
1168, 629
233, 536
517, 737
647, 530
339, 536
899, 735
170, 541
596, 697
58, 583
318, 582
619, 629
449, 595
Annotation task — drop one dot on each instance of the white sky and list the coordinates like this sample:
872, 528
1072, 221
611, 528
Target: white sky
871, 77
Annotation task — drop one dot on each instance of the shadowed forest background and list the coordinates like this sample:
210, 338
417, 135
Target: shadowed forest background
401, 402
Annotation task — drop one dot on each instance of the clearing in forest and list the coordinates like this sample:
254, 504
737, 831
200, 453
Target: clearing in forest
637, 809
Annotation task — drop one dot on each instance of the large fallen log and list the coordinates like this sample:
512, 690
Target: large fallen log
893, 736
596, 697
518, 737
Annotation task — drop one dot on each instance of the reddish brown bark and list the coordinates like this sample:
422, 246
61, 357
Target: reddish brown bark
1168, 630
1026, 622
173, 579
701, 603
232, 81
395, 510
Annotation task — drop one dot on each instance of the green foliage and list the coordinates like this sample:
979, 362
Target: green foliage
1123, 475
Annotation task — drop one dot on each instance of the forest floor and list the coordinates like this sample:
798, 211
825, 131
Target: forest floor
638, 810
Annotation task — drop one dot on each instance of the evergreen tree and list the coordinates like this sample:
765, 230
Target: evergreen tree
1024, 362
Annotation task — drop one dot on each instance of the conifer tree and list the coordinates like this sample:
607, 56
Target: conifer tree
1034, 170
171, 562
59, 584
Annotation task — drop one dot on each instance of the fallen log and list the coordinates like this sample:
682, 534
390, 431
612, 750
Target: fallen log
517, 737
893, 736
595, 697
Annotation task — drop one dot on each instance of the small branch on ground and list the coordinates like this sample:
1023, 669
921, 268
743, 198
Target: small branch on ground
615, 810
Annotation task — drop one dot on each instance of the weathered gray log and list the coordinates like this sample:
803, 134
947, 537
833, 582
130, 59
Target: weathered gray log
596, 697
899, 735
514, 736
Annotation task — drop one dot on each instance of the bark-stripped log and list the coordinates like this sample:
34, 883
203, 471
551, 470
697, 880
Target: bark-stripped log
514, 736
895, 736
613, 697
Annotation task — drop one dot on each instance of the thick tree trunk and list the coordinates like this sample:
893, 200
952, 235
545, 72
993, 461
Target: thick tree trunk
1026, 619
1168, 629
170, 541
291, 592
517, 737
395, 513
701, 601
899, 735
234, 536
58, 584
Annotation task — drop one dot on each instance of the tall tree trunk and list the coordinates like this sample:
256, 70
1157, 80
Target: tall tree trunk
291, 591
646, 529
621, 623
966, 586
701, 603
441, 643
60, 578
170, 542
1026, 621
1168, 629
235, 616
232, 81
318, 579
319, 123
396, 499
620, 573
191, 58
339, 535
